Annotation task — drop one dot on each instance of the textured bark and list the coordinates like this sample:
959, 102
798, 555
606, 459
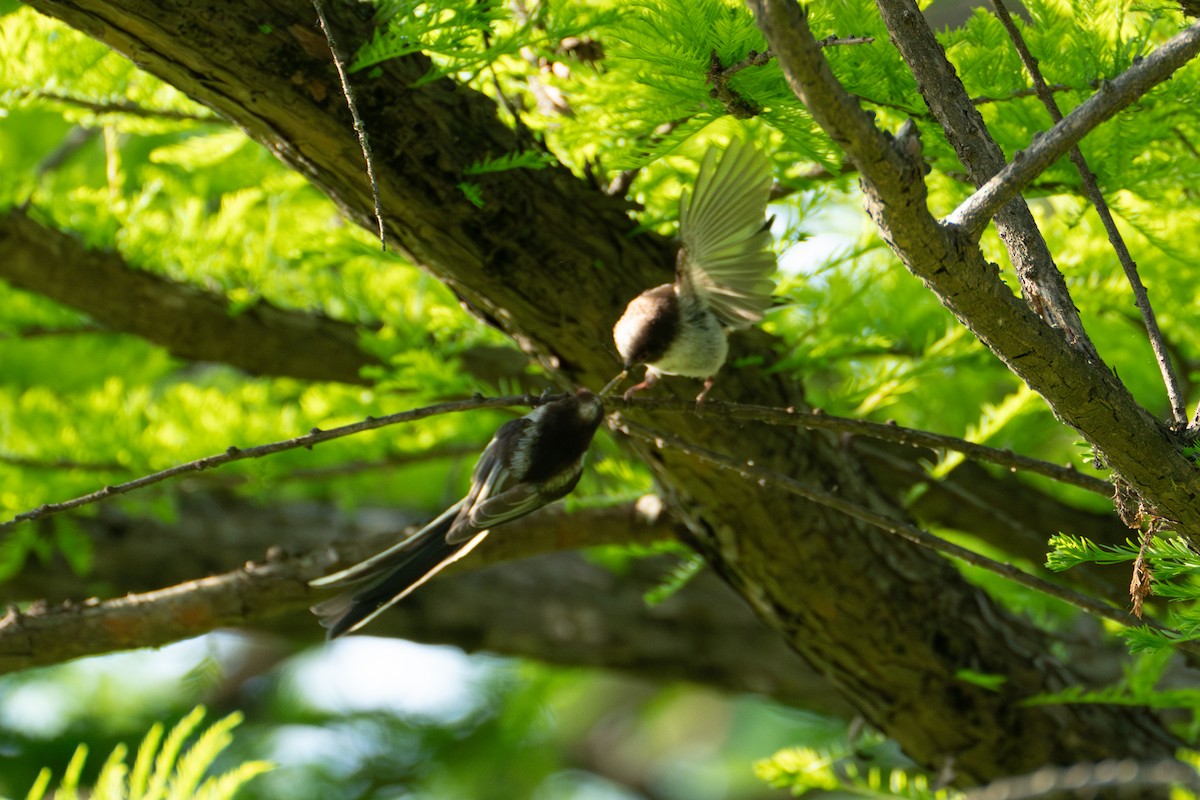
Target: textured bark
1043, 284
549, 259
946, 256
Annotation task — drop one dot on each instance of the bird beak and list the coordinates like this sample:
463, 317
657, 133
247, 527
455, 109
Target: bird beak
608, 387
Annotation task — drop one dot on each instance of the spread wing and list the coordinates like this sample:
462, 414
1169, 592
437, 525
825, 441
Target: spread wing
726, 255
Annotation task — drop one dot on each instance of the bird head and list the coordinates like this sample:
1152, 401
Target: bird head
649, 324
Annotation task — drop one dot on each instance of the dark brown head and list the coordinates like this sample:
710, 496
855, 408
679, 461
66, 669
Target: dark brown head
564, 429
648, 326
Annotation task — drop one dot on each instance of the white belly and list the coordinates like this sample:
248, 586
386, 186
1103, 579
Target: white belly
700, 353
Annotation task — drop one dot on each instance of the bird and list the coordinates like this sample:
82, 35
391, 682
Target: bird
722, 274
530, 461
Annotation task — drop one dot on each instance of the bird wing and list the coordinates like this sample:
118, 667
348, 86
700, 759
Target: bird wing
497, 494
515, 501
726, 255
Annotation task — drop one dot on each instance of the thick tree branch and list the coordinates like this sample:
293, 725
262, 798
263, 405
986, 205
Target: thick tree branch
1041, 282
1081, 392
256, 592
1127, 88
199, 325
556, 607
191, 323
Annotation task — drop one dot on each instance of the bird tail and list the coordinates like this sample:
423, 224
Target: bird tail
388, 577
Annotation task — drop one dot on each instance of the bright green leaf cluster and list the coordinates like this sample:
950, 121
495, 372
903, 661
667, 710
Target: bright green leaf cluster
163, 769
803, 769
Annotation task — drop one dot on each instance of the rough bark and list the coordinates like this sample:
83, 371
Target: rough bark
549, 259
1044, 286
946, 256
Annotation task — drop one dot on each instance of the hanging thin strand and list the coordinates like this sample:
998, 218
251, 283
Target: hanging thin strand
897, 527
359, 128
817, 420
1091, 190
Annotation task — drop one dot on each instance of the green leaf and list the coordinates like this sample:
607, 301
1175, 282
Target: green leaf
167, 772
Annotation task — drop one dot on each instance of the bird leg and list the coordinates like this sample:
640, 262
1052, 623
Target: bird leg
708, 384
650, 380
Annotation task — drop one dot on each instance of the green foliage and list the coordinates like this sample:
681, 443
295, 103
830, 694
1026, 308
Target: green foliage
1141, 685
1174, 570
179, 193
162, 769
679, 576
465, 37
838, 768
521, 160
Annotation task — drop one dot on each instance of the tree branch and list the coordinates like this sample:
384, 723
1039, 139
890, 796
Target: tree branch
972, 216
550, 260
911, 533
189, 322
1091, 190
1083, 393
1041, 281
364, 140
307, 441
888, 432
259, 591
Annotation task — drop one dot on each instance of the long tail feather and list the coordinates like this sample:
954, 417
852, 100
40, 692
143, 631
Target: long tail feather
396, 554
420, 561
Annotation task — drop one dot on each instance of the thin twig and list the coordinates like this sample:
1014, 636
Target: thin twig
1086, 780
972, 216
359, 128
738, 106
752, 59
395, 461
817, 419
76, 138
307, 441
843, 41
719, 75
25, 462
757, 59
125, 107
904, 530
1092, 191
983, 99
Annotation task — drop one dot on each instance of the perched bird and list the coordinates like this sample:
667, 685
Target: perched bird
530, 462
722, 274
